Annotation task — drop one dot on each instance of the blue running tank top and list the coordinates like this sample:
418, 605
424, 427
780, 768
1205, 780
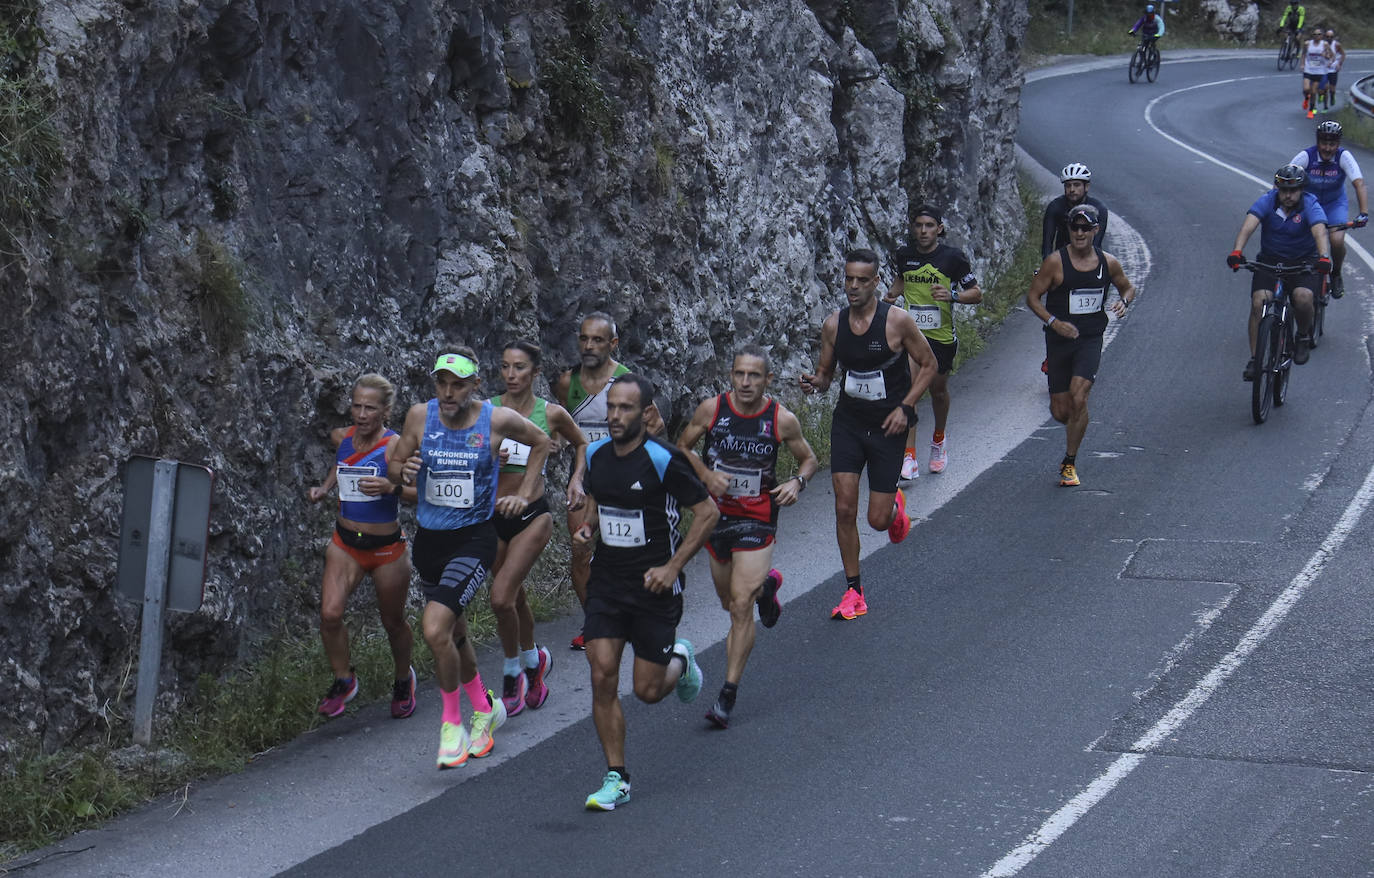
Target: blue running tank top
1326, 180
457, 481
352, 465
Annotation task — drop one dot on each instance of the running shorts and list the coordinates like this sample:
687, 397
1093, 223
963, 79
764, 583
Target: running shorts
508, 529
453, 564
1069, 358
852, 445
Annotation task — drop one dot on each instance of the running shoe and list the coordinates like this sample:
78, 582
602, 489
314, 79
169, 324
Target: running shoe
851, 606
938, 456
689, 684
484, 724
1337, 286
615, 790
403, 697
910, 469
578, 642
1068, 476
513, 692
1045, 365
719, 715
769, 606
537, 691
1311, 114
453, 745
901, 524
340, 693
1249, 373
1302, 351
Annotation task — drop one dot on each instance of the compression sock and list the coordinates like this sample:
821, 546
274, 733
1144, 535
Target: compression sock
910, 451
530, 657
853, 582
477, 694
511, 666
727, 695
453, 709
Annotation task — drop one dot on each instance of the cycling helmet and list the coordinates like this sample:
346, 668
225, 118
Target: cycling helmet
1290, 177
1075, 171
1330, 128
1150, 8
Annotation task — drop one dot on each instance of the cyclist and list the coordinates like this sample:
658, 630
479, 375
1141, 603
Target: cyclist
1334, 68
1292, 230
1328, 166
1316, 60
1151, 26
1293, 18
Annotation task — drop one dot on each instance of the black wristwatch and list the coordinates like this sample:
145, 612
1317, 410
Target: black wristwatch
801, 478
398, 490
910, 412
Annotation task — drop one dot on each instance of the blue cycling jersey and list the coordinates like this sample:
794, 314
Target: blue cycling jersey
1284, 236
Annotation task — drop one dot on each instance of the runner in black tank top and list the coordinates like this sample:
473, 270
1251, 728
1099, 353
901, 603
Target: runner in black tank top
1071, 300
877, 405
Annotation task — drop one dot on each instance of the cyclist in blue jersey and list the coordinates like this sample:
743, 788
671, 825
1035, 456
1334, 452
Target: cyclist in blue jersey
1329, 166
1150, 26
449, 449
1292, 230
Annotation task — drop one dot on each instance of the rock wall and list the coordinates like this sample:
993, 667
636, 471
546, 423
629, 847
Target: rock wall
260, 199
1233, 19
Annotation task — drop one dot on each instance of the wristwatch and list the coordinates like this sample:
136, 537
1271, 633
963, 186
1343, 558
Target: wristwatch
801, 478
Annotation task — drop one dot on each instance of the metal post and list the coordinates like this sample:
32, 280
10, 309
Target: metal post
154, 594
1070, 30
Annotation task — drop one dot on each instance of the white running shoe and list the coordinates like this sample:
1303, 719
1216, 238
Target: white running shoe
938, 456
910, 469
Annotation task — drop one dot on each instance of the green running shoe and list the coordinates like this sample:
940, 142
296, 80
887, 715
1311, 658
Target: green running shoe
453, 745
689, 684
615, 790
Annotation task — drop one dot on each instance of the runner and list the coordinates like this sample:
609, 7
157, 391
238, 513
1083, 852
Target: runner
1069, 294
1292, 228
521, 540
1333, 71
582, 391
367, 540
1054, 226
1329, 166
448, 450
635, 483
1316, 61
871, 341
744, 429
927, 272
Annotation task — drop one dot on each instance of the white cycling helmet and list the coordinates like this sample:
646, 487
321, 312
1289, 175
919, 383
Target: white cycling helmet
1075, 171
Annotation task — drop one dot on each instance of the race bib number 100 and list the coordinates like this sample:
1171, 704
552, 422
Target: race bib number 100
348, 476
622, 528
1085, 301
452, 488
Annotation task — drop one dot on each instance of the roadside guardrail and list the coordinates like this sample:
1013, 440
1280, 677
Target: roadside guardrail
1362, 96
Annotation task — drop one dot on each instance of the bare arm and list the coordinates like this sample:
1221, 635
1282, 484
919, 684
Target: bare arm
913, 341
1361, 196
790, 432
1247, 228
819, 381
1050, 275
563, 424
716, 482
508, 423
402, 461
1123, 286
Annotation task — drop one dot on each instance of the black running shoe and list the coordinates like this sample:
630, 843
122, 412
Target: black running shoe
1337, 286
1249, 373
769, 607
1303, 349
719, 715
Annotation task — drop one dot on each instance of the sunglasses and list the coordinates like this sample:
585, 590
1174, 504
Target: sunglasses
1079, 227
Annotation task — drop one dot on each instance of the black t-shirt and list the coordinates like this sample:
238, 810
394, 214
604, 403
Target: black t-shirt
638, 498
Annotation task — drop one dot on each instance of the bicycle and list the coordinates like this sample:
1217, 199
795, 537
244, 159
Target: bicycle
1275, 341
1145, 61
1288, 51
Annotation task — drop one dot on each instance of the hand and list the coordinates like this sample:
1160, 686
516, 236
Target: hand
375, 486
504, 455
1323, 265
584, 536
717, 483
895, 422
1118, 307
787, 493
1065, 328
411, 469
317, 494
808, 383
1361, 221
1235, 260
576, 495
940, 294
660, 579
511, 505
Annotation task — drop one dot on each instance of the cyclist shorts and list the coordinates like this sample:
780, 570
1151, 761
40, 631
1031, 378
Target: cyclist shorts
737, 534
1264, 280
1338, 211
1331, 78
1069, 358
453, 564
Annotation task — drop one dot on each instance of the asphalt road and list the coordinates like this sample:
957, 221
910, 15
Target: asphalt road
1162, 672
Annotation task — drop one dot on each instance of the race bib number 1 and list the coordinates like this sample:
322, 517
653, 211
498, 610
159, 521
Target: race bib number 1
348, 476
865, 385
927, 317
517, 453
743, 482
452, 488
622, 528
1085, 301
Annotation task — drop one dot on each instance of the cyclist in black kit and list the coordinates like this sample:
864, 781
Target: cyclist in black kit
1055, 226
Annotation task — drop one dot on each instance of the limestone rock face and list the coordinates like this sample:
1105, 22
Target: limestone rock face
261, 199
1234, 19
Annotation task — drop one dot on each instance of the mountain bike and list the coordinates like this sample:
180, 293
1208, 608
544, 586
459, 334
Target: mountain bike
1288, 52
1145, 61
1275, 341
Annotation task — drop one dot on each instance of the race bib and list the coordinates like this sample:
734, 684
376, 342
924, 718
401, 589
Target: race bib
1085, 301
518, 453
453, 488
622, 528
348, 476
595, 432
743, 482
865, 385
927, 317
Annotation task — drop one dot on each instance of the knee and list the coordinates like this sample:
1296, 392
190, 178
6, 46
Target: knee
331, 618
649, 691
503, 604
846, 510
438, 633
604, 684
1060, 412
741, 608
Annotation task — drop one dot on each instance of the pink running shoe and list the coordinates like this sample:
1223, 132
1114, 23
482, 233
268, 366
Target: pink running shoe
901, 524
340, 693
534, 698
513, 692
852, 606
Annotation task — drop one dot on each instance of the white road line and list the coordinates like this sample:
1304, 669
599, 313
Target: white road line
1062, 820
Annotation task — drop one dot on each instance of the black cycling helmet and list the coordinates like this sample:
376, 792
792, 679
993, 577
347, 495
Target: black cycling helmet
1329, 129
1290, 177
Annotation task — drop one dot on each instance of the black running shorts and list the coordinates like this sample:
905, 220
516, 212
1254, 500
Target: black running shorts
453, 564
1069, 358
852, 445
648, 622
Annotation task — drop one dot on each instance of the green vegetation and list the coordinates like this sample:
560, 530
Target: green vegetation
225, 309
1005, 292
1358, 128
30, 150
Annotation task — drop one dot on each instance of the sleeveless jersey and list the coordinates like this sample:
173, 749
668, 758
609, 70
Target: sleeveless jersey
589, 412
1314, 61
876, 378
351, 465
946, 266
1326, 180
1081, 298
457, 481
745, 447
519, 451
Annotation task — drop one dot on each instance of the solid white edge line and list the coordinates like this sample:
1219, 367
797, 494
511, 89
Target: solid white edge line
1063, 819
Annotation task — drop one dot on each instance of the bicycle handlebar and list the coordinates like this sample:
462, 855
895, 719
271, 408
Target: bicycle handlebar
1279, 270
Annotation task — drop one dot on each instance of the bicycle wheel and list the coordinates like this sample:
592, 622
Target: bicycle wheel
1284, 361
1318, 318
1152, 64
1283, 54
1293, 56
1137, 65
1266, 355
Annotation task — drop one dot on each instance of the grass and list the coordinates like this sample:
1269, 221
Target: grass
30, 148
1357, 128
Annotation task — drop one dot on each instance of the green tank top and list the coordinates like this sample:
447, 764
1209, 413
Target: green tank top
577, 395
519, 450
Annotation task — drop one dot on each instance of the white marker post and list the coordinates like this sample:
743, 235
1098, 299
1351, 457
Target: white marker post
154, 591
